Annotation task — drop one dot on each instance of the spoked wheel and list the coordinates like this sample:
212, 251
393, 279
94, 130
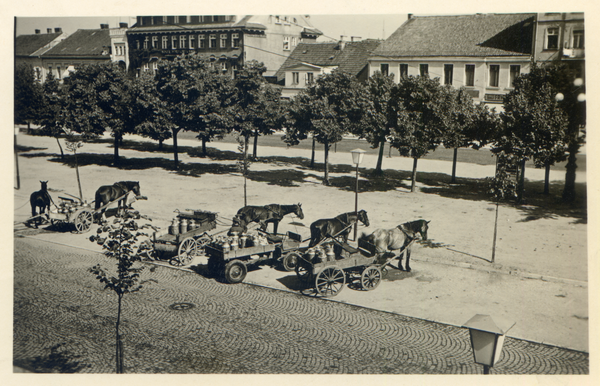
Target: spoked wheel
201, 242
330, 281
187, 251
303, 271
290, 261
235, 272
83, 221
370, 278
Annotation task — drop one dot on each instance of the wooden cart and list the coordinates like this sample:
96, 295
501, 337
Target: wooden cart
181, 248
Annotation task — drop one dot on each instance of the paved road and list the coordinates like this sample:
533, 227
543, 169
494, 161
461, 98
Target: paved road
182, 322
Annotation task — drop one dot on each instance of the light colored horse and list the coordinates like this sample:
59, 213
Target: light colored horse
398, 238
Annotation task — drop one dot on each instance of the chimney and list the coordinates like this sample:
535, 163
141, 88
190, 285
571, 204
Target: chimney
58, 30
358, 38
122, 25
410, 15
103, 26
342, 43
49, 30
37, 31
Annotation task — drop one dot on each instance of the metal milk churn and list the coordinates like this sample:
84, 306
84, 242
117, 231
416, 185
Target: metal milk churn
174, 227
330, 254
191, 225
183, 226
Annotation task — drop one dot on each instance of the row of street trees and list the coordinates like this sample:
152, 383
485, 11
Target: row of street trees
415, 115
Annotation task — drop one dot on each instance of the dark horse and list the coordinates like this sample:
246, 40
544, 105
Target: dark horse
40, 199
329, 227
108, 193
398, 238
272, 213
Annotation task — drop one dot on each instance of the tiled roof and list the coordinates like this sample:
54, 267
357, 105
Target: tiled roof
467, 35
84, 42
351, 59
28, 44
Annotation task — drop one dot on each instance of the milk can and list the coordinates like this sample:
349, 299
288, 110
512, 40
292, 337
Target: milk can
183, 226
191, 225
174, 227
330, 253
243, 241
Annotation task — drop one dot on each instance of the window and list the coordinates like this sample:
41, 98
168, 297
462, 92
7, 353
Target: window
223, 40
137, 44
384, 68
515, 71
212, 41
224, 66
155, 66
403, 71
286, 43
294, 41
176, 20
201, 43
578, 38
154, 41
215, 18
146, 67
552, 39
448, 72
182, 41
37, 73
494, 75
235, 40
58, 76
174, 42
424, 69
309, 78
165, 42
469, 75
146, 43
295, 77
277, 20
192, 44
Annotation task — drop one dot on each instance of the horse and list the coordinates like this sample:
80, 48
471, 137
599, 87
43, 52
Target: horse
238, 226
272, 213
330, 227
108, 193
40, 199
398, 238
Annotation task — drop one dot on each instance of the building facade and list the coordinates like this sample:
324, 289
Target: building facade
228, 41
483, 53
30, 48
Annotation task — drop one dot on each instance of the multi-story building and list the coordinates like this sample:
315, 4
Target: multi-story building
29, 48
311, 60
118, 43
228, 41
483, 53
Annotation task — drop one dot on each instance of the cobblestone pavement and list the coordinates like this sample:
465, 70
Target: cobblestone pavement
182, 322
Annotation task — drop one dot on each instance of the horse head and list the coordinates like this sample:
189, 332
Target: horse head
44, 185
298, 211
362, 217
423, 230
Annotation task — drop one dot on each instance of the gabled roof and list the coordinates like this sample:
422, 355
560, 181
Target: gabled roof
28, 44
352, 58
84, 42
465, 35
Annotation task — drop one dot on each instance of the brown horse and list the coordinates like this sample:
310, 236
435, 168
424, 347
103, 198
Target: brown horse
338, 226
40, 199
264, 215
108, 193
398, 238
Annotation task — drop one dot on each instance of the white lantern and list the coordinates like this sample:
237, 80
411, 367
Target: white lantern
357, 156
487, 339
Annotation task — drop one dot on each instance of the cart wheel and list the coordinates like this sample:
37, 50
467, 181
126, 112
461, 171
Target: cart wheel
83, 221
370, 278
187, 250
235, 272
201, 242
303, 271
330, 281
290, 261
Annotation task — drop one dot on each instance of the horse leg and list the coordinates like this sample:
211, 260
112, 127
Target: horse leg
400, 256
408, 260
275, 225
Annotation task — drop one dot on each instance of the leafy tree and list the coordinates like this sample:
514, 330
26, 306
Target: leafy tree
534, 125
50, 112
274, 113
28, 95
416, 105
376, 124
330, 108
122, 241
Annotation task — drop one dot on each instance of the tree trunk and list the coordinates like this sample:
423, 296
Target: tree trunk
312, 157
378, 170
175, 155
547, 180
117, 143
453, 179
521, 187
119, 356
245, 170
326, 176
568, 195
62, 154
254, 152
78, 180
414, 175
160, 144
204, 147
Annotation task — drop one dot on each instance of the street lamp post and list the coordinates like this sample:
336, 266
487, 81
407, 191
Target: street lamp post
487, 339
357, 156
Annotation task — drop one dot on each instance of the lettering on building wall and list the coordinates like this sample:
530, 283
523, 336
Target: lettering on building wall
494, 97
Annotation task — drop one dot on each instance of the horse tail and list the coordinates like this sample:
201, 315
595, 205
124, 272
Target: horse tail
98, 200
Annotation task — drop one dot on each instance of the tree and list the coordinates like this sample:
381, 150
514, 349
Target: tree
329, 109
377, 126
535, 126
50, 112
417, 118
273, 111
123, 241
28, 95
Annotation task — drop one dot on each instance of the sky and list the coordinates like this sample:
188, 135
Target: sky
332, 26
